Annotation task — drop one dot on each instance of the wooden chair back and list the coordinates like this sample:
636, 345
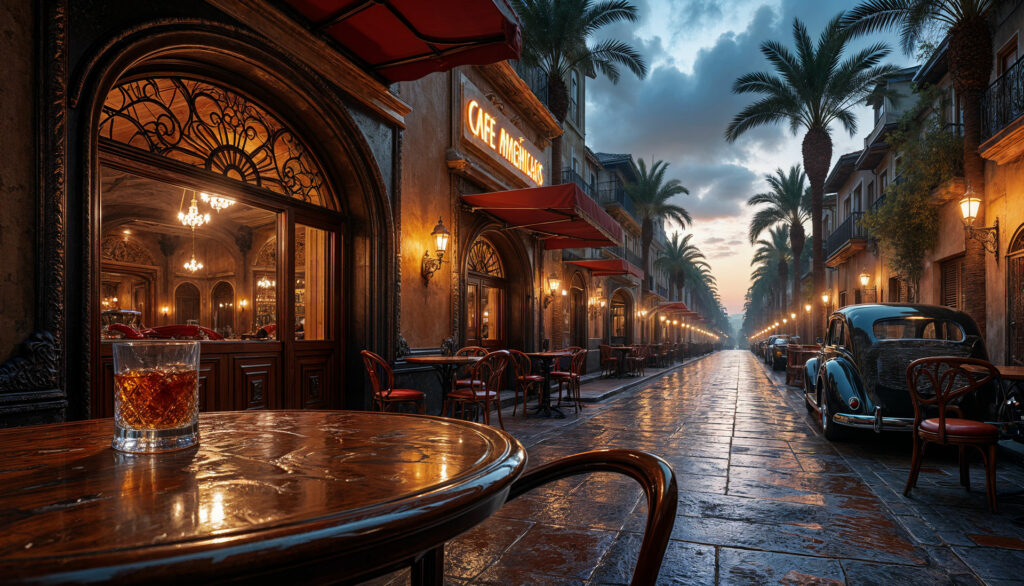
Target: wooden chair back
471, 351
382, 377
606, 351
578, 362
521, 363
490, 369
940, 380
654, 475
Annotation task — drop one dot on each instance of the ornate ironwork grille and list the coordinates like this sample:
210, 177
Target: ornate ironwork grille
1015, 300
1003, 101
207, 126
484, 259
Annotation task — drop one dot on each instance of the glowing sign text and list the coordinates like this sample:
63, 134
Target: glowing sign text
510, 147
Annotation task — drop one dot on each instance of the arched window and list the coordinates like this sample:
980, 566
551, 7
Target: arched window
223, 299
186, 303
486, 296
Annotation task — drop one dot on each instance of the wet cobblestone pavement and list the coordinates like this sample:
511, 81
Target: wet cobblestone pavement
763, 498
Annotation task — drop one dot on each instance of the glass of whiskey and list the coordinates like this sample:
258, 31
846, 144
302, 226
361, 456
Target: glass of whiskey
156, 396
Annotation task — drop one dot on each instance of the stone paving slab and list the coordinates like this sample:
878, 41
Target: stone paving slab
763, 498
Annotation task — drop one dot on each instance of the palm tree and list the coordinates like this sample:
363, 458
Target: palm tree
811, 89
775, 252
965, 22
555, 35
787, 203
677, 259
651, 196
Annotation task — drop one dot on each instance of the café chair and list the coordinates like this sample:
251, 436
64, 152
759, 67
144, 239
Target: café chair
525, 379
482, 387
636, 359
609, 363
572, 378
382, 383
471, 351
655, 476
935, 384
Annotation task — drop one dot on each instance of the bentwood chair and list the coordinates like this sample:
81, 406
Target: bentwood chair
525, 379
382, 382
471, 351
609, 363
935, 383
482, 387
636, 359
572, 378
654, 475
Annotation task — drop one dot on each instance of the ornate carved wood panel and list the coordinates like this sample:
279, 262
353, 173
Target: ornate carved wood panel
255, 381
315, 383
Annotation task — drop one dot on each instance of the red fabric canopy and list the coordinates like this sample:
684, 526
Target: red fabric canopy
610, 267
403, 40
563, 214
674, 307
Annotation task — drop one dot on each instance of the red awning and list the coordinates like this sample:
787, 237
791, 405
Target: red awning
610, 267
674, 307
403, 40
564, 215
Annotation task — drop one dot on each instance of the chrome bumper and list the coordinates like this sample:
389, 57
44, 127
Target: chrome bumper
875, 422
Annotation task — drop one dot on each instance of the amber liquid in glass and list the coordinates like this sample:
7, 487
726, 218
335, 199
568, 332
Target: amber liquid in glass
156, 398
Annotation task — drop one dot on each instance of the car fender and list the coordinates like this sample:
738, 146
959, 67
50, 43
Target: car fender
841, 382
811, 373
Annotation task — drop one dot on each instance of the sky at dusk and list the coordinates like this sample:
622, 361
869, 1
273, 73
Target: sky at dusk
695, 49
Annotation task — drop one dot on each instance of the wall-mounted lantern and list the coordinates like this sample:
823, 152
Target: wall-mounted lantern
553, 284
970, 203
431, 264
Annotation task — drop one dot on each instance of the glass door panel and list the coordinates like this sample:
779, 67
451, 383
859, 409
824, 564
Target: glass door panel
312, 279
472, 322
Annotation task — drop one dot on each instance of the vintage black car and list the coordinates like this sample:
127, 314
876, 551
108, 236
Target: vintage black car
775, 353
858, 379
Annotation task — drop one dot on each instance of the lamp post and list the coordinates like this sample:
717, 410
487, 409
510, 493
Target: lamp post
824, 303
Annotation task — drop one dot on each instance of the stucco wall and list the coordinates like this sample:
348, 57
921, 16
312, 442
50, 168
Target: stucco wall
17, 184
426, 192
1003, 190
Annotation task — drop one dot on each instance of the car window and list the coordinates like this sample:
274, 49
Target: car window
918, 328
836, 337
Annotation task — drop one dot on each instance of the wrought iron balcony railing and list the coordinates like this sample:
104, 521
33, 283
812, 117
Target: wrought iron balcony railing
1003, 101
849, 230
614, 192
570, 176
626, 255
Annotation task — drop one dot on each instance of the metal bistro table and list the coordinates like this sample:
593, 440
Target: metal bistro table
623, 351
308, 496
546, 359
445, 366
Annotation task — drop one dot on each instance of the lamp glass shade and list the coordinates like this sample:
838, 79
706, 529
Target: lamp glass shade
824, 297
553, 283
969, 205
440, 234
864, 279
807, 308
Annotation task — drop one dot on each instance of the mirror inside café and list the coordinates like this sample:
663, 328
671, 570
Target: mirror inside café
174, 257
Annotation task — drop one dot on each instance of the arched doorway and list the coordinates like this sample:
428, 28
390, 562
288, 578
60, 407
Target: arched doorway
223, 305
622, 318
578, 311
1015, 299
186, 304
486, 296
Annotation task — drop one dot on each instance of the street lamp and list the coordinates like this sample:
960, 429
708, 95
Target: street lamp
987, 235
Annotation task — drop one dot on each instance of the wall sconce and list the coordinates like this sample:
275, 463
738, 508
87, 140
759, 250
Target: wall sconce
864, 280
988, 235
792, 316
824, 298
164, 310
807, 308
243, 304
785, 321
430, 264
553, 283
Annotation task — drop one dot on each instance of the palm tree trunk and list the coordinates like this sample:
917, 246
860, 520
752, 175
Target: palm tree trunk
783, 285
796, 242
970, 61
817, 151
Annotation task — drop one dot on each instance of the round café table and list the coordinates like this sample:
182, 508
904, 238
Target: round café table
546, 359
288, 496
445, 367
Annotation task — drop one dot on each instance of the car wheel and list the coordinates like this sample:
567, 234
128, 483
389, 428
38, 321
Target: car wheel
829, 428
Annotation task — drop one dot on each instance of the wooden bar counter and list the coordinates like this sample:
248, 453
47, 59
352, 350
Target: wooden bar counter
296, 496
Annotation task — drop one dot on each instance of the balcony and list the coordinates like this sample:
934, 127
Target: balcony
626, 255
534, 78
1002, 126
612, 194
846, 240
663, 291
570, 176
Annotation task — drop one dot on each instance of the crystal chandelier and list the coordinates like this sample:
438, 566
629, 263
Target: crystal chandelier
193, 265
265, 283
193, 219
216, 202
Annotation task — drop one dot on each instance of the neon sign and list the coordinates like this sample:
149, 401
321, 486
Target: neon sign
510, 147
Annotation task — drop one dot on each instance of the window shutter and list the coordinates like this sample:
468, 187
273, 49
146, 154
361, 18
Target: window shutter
951, 286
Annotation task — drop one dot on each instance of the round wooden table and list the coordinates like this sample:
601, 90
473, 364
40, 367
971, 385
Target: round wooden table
267, 495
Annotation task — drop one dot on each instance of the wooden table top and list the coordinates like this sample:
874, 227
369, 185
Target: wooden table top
266, 493
1011, 372
439, 359
549, 354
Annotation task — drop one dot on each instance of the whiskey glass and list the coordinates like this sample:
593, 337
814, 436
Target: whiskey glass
156, 395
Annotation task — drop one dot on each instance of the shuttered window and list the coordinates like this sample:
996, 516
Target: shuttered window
894, 290
952, 287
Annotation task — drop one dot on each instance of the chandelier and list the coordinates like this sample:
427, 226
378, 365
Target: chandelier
265, 283
193, 265
216, 202
193, 219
